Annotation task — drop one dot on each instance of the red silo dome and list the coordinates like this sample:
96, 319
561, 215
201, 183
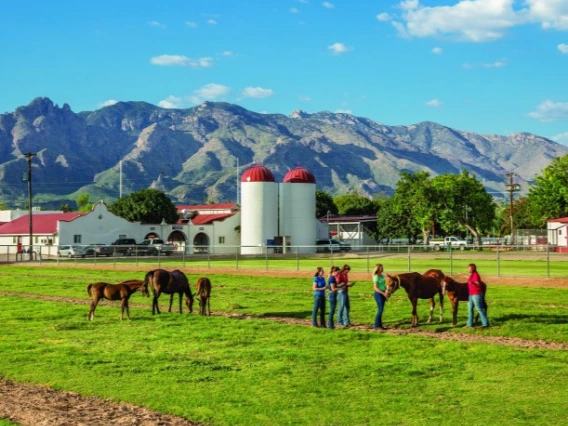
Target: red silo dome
299, 175
257, 174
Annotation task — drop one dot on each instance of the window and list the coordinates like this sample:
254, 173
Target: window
77, 239
221, 240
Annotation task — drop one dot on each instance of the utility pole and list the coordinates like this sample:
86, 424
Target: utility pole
29, 157
512, 188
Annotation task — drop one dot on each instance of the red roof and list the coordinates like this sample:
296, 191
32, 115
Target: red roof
45, 224
299, 175
206, 219
222, 206
257, 174
559, 220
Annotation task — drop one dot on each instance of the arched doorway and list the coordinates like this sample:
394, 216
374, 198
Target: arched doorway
177, 238
201, 243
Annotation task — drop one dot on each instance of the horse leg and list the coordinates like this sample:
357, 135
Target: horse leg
155, 303
171, 301
432, 306
455, 310
441, 307
91, 315
209, 305
180, 294
414, 314
124, 307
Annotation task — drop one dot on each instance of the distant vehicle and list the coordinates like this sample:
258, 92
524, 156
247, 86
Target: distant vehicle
154, 246
71, 251
99, 250
441, 243
124, 246
331, 245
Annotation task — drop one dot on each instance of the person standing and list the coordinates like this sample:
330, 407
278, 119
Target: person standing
332, 294
343, 285
379, 285
318, 285
475, 297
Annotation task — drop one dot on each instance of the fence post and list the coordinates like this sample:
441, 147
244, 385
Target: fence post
409, 259
266, 257
297, 259
236, 259
547, 261
451, 260
368, 259
183, 255
498, 262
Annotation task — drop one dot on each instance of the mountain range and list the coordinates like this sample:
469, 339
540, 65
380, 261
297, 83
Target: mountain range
192, 154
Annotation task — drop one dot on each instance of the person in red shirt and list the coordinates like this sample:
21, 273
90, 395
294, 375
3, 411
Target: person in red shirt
475, 297
343, 285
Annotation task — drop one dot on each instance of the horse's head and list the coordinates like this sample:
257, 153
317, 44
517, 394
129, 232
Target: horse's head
144, 288
393, 283
448, 284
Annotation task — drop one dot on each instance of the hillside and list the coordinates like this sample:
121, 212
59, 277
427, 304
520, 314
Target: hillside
191, 154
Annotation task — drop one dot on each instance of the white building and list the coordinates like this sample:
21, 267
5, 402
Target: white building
558, 233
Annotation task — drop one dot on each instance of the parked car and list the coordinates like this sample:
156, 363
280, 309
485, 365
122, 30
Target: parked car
71, 251
99, 250
124, 246
328, 245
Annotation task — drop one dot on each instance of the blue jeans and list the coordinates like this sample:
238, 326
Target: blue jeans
332, 305
380, 299
343, 312
477, 301
319, 305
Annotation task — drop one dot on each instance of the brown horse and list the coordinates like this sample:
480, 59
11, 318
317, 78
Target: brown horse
418, 286
167, 282
204, 294
121, 291
459, 292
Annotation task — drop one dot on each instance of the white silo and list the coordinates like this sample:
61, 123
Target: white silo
298, 209
259, 209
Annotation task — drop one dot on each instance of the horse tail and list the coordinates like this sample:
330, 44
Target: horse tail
89, 289
149, 276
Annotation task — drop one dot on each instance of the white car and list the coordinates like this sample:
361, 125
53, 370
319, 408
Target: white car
71, 251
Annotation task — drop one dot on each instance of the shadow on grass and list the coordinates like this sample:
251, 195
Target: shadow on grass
301, 314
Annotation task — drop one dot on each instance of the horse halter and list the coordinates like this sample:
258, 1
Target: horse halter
395, 287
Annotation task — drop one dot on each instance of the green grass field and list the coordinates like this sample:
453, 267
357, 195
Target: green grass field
254, 370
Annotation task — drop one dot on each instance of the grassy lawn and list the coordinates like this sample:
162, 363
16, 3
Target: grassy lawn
230, 371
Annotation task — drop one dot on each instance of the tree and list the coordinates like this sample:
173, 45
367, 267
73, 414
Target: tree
146, 206
64, 207
354, 204
324, 204
413, 204
548, 195
389, 223
463, 203
83, 203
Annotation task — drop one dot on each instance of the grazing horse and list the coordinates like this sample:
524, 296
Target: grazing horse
418, 286
459, 292
121, 291
204, 294
167, 282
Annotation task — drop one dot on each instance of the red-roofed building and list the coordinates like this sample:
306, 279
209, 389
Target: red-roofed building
558, 233
210, 228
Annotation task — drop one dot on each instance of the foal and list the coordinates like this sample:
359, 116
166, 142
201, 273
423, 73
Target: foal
459, 292
204, 294
121, 292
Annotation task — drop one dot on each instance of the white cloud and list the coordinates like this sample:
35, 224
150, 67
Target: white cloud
293, 10
561, 138
190, 24
383, 17
548, 111
468, 20
257, 92
437, 50
228, 53
212, 91
552, 14
212, 22
304, 98
343, 111
171, 102
181, 61
434, 103
107, 103
327, 5
497, 64
157, 24
563, 48
209, 92
339, 48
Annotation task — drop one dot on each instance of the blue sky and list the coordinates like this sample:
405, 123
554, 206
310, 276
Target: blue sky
486, 66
